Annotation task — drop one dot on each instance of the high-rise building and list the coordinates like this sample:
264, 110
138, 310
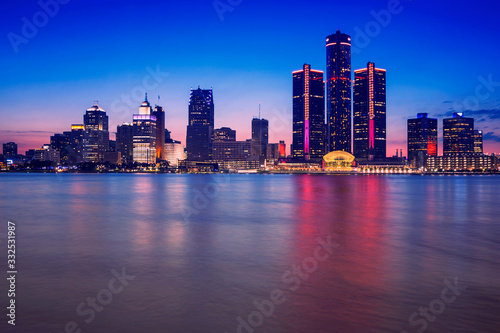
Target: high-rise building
369, 113
96, 136
260, 138
478, 141
224, 134
422, 139
61, 142
125, 142
75, 141
10, 150
308, 114
144, 134
159, 113
458, 135
338, 91
201, 125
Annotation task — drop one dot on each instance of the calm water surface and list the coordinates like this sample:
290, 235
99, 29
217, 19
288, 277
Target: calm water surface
203, 249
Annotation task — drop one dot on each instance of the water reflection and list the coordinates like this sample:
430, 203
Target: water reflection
399, 237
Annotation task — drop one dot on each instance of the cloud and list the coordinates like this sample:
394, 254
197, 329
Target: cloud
25, 132
490, 136
480, 115
447, 102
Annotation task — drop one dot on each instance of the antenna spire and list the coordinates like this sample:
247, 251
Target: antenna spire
259, 110
146, 97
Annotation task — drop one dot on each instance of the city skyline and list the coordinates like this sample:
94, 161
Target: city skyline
60, 90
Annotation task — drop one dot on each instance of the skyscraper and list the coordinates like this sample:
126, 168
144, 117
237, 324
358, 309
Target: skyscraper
10, 150
159, 113
201, 125
61, 143
125, 142
458, 135
308, 114
144, 134
75, 140
96, 136
422, 139
338, 91
369, 113
260, 138
478, 141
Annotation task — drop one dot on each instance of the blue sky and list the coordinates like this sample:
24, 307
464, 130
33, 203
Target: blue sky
439, 57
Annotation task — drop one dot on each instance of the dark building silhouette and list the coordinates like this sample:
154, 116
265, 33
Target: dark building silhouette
96, 136
224, 134
458, 135
369, 113
61, 143
10, 150
260, 138
159, 113
201, 125
338, 91
75, 141
478, 142
308, 114
422, 139
125, 142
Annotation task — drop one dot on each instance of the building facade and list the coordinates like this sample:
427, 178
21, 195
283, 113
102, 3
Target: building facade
458, 135
422, 139
201, 125
159, 113
125, 142
224, 134
478, 141
144, 135
96, 135
232, 150
308, 114
462, 162
10, 150
338, 91
260, 139
370, 129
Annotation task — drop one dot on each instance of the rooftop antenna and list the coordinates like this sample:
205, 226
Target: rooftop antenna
146, 97
158, 99
96, 102
259, 110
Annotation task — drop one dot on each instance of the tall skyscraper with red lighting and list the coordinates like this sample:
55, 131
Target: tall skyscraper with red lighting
369, 113
308, 114
338, 91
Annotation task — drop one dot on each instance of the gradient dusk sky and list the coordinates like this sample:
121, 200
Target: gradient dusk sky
440, 58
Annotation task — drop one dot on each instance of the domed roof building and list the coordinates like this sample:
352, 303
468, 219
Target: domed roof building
338, 161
